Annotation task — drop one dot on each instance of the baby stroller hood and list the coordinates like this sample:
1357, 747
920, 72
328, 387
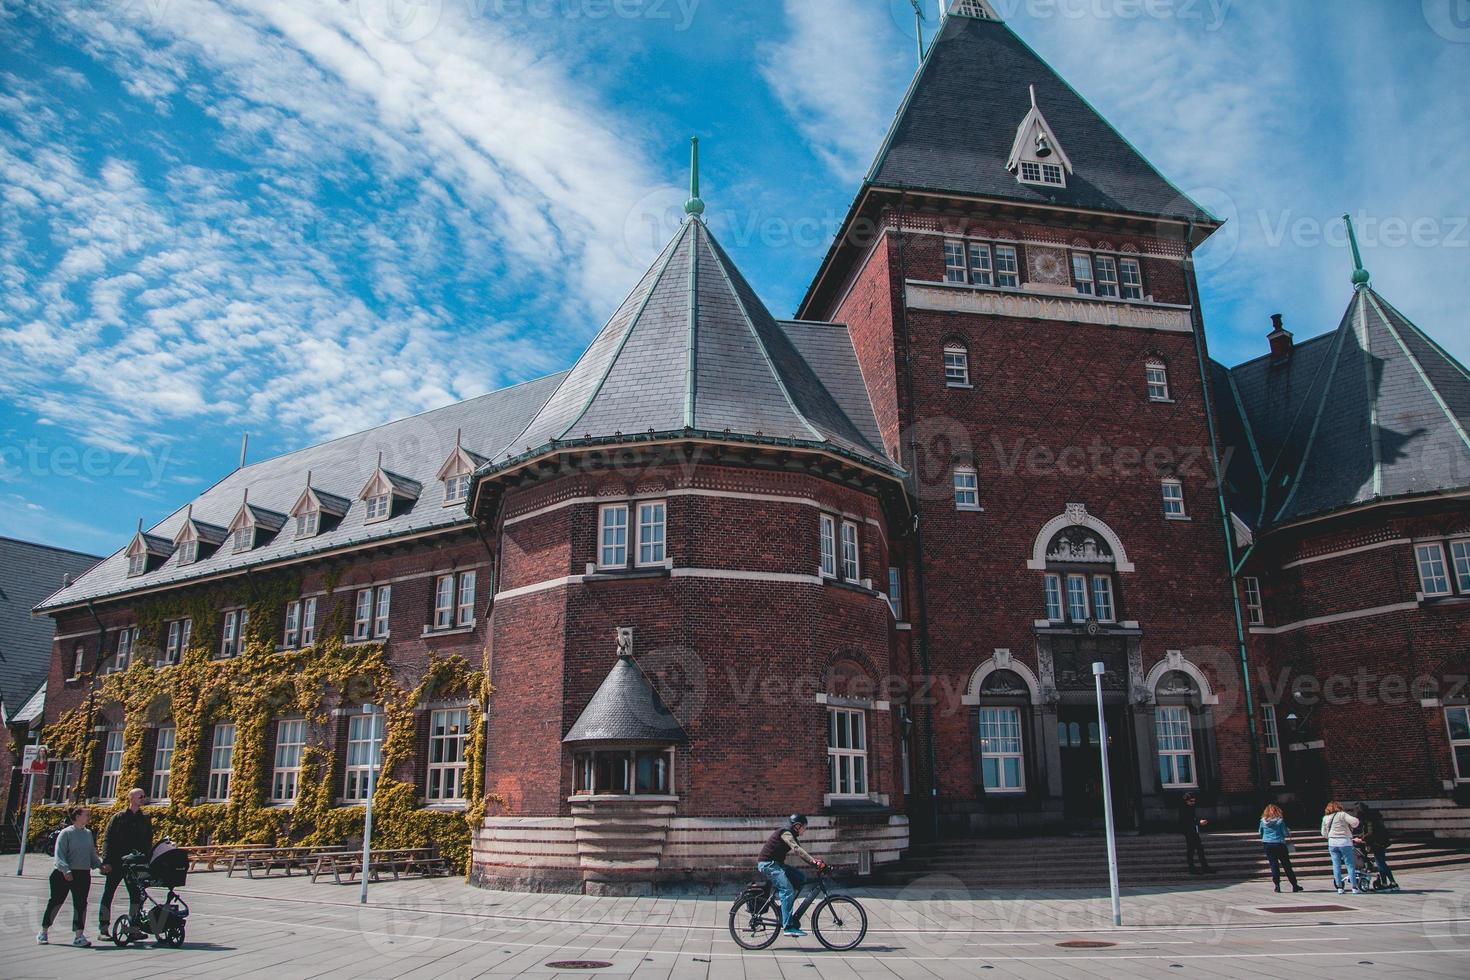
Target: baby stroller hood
169, 864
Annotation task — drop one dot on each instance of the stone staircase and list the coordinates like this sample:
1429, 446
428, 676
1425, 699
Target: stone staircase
1434, 818
1143, 860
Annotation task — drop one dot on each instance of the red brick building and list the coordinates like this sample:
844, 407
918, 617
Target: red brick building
857, 564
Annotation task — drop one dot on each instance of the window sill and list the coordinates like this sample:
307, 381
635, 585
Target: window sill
1429, 601
444, 806
621, 798
851, 586
1161, 401
454, 503
963, 386
348, 641
1177, 517
595, 574
448, 631
969, 508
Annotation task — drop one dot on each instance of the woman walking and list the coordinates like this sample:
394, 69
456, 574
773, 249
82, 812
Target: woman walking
1373, 832
1338, 826
76, 858
1273, 837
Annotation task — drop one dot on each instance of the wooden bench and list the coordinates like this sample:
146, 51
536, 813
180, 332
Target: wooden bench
399, 860
208, 857
265, 859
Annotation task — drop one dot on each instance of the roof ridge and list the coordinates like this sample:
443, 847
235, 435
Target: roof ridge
1375, 441
1438, 349
1419, 370
49, 547
1250, 438
1316, 420
1324, 335
691, 371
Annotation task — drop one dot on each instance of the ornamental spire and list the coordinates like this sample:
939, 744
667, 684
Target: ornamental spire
1360, 274
694, 206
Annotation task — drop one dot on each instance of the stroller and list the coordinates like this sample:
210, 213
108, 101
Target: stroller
1369, 877
167, 868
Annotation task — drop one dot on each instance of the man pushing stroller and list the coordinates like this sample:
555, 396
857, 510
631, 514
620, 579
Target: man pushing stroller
129, 830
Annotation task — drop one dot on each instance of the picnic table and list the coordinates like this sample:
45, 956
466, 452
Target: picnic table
399, 860
207, 857
266, 858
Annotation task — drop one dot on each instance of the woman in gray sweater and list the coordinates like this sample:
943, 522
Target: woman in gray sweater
76, 857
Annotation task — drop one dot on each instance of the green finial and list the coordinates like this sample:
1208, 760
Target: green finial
694, 205
1360, 274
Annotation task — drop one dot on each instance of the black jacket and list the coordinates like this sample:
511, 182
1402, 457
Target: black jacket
127, 832
1188, 818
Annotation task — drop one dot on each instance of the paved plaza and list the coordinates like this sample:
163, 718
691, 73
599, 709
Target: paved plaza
285, 928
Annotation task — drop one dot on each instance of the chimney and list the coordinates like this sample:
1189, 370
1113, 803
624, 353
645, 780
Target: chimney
1280, 338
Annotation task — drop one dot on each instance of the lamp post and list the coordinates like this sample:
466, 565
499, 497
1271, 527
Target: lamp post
367, 824
1107, 787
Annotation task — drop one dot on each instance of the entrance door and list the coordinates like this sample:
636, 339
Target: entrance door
1082, 795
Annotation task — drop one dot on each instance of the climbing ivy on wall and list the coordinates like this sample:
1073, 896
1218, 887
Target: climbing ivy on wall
254, 688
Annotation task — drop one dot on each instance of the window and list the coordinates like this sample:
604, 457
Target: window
1255, 610
1031, 171
362, 618
1051, 173
364, 740
1054, 598
233, 641
137, 564
966, 488
293, 625
308, 523
1458, 720
242, 539
444, 602
1107, 276
1432, 574
849, 551
454, 600
189, 552
646, 772
63, 779
178, 640
465, 608
379, 507
895, 591
308, 621
1007, 269
380, 614
1460, 552
954, 262
126, 638
847, 753
829, 546
1132, 277
112, 753
448, 733
1000, 750
612, 548
1176, 746
1082, 280
651, 533
1077, 598
1157, 377
221, 763
286, 775
457, 489
163, 761
78, 656
956, 366
1173, 493
1102, 598
1273, 745
982, 273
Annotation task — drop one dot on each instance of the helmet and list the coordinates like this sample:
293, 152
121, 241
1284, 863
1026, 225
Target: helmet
797, 818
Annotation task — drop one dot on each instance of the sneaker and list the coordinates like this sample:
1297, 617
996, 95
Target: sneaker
1357, 891
795, 933
1297, 888
1339, 889
81, 940
42, 939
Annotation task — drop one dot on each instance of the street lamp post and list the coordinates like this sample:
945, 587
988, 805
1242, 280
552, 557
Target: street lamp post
1102, 728
372, 782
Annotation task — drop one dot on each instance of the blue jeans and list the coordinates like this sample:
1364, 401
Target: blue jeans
1380, 856
1342, 858
788, 882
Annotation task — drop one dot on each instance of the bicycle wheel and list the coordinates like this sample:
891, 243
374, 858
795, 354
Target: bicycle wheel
840, 922
748, 928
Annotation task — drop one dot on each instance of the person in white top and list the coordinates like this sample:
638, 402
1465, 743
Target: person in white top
1338, 826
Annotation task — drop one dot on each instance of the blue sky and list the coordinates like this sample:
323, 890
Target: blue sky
300, 218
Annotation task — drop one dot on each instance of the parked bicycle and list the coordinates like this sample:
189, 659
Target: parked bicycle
838, 921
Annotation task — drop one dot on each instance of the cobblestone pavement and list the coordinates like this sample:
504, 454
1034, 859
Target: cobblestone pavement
283, 928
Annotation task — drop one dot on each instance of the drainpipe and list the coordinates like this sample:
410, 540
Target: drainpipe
926, 717
1198, 321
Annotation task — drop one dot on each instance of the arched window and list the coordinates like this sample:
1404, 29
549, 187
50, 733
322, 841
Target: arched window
966, 488
956, 365
1001, 727
1176, 704
1156, 376
1079, 582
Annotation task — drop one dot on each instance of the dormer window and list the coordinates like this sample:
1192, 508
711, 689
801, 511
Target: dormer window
385, 489
307, 524
457, 489
1042, 173
196, 539
1036, 155
379, 506
253, 526
146, 552
188, 552
458, 473
242, 539
316, 510
137, 564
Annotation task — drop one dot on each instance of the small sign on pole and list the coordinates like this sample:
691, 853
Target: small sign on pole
33, 762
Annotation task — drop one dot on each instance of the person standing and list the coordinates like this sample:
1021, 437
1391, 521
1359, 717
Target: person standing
1338, 826
76, 857
129, 830
1373, 832
1274, 833
1191, 824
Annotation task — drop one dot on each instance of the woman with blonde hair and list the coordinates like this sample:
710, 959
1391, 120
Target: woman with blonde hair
1338, 826
1273, 836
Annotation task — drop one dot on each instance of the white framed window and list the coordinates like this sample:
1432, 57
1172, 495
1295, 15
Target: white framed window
651, 528
62, 780
292, 637
895, 591
1001, 765
1460, 555
1054, 598
137, 564
1077, 598
1007, 268
381, 610
1458, 720
1106, 268
1132, 278
954, 262
379, 507
364, 742
1102, 598
1433, 577
362, 617
232, 640
178, 640
1176, 746
444, 602
448, 736
457, 489
127, 638
966, 488
847, 753
308, 523
308, 621
612, 536
828, 535
1082, 278
1051, 173
286, 773
956, 366
1272, 742
982, 270
112, 754
465, 605
1031, 171
243, 538
1173, 497
850, 570
1156, 375
221, 763
1255, 609
163, 761
189, 552
77, 659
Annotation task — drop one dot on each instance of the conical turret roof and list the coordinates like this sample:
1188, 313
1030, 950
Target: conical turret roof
626, 708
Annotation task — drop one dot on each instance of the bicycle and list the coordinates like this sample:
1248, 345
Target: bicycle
838, 921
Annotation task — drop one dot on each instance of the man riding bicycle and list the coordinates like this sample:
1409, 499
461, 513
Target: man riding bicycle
787, 881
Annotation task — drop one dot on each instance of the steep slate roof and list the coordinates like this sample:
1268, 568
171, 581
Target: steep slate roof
28, 573
414, 448
1375, 410
626, 708
955, 130
693, 350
